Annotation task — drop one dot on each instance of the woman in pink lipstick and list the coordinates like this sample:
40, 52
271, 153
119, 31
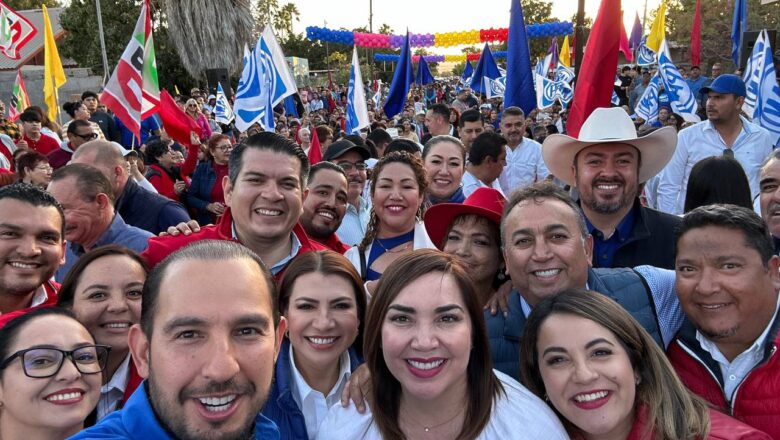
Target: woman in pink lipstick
431, 374
395, 227
606, 377
445, 162
49, 375
103, 289
322, 298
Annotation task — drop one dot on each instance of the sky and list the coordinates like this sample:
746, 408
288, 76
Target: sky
431, 16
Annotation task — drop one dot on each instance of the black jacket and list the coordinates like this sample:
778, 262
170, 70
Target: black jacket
147, 210
652, 240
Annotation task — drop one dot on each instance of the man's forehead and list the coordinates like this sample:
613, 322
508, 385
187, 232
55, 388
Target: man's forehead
328, 178
771, 169
270, 163
610, 148
563, 213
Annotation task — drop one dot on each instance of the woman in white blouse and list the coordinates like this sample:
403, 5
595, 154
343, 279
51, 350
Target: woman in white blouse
427, 352
323, 301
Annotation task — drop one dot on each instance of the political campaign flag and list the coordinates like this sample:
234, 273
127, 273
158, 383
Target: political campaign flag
696, 36
15, 32
357, 109
564, 74
738, 25
549, 91
19, 98
594, 88
763, 94
424, 75
486, 68
403, 77
495, 88
644, 55
133, 91
467, 72
681, 99
636, 33
658, 29
53, 73
519, 77
289, 106
565, 55
222, 111
315, 149
625, 47
265, 81
648, 105
178, 125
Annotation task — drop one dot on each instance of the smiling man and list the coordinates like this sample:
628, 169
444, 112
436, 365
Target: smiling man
325, 205
208, 359
264, 194
524, 163
728, 283
769, 199
607, 164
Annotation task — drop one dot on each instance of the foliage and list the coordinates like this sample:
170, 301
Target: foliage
716, 27
21, 5
385, 29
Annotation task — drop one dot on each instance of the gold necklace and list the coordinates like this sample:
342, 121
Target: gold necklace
395, 251
430, 428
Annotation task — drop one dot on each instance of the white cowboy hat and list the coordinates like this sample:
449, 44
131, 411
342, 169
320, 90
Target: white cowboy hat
609, 126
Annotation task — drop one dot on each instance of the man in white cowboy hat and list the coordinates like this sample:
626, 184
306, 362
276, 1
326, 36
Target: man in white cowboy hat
607, 164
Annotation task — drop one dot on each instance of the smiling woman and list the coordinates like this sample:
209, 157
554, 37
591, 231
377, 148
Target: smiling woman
606, 377
49, 375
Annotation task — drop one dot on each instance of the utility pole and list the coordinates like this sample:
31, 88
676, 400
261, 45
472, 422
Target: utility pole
106, 73
644, 18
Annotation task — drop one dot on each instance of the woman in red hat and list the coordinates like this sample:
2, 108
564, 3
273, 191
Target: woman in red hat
471, 231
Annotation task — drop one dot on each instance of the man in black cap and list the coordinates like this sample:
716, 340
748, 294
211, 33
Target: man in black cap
352, 158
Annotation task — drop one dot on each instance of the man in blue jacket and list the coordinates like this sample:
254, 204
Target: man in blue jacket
208, 339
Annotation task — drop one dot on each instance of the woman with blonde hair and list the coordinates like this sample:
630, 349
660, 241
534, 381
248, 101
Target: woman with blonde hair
606, 377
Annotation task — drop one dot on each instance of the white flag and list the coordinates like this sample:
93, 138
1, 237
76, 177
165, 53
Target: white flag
762, 102
222, 111
680, 97
357, 109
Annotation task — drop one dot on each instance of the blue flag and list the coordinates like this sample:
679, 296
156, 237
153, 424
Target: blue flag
648, 105
467, 73
222, 111
424, 75
680, 96
636, 33
265, 81
644, 55
519, 77
738, 25
762, 102
549, 91
290, 108
403, 77
357, 109
486, 68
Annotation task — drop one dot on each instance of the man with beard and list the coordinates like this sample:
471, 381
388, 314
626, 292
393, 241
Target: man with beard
524, 164
352, 159
208, 359
606, 165
324, 205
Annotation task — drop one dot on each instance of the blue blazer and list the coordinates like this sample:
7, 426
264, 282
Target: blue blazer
280, 406
199, 193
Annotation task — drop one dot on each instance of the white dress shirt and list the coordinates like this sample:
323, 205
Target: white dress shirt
312, 403
112, 392
736, 371
702, 140
471, 183
353, 225
524, 166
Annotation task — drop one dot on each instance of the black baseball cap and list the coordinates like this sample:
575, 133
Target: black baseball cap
341, 147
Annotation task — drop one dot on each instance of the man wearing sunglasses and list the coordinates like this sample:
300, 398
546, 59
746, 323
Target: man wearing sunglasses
79, 132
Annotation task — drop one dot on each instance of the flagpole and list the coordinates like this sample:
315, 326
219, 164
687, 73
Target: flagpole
580, 35
102, 42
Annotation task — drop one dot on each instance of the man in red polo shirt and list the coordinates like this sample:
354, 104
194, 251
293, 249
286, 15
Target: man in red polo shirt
32, 137
325, 205
264, 194
32, 247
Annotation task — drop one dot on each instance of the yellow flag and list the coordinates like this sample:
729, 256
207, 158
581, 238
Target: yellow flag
658, 29
176, 89
565, 56
53, 74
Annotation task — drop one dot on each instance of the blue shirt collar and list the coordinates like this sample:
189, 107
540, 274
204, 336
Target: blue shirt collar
623, 229
114, 229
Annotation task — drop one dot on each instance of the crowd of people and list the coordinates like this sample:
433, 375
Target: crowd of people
463, 270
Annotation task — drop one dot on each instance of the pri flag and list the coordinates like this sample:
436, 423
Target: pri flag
222, 111
133, 91
53, 73
680, 97
648, 106
548, 91
357, 109
15, 32
763, 94
265, 82
19, 98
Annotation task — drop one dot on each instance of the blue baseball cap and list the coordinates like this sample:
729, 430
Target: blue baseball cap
727, 83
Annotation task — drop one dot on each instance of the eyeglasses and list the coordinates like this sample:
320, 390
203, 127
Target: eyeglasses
87, 137
348, 166
46, 362
728, 152
226, 148
44, 168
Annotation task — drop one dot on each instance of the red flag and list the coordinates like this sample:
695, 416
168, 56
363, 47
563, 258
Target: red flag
596, 79
177, 124
624, 46
19, 98
331, 101
696, 36
315, 150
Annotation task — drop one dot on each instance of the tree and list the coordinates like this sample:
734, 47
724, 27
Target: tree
716, 26
21, 5
385, 29
284, 20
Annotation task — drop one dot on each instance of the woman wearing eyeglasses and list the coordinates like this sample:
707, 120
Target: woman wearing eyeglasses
205, 195
162, 172
34, 168
193, 111
78, 111
103, 290
49, 375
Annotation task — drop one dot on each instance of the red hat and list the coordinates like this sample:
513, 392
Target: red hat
484, 202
